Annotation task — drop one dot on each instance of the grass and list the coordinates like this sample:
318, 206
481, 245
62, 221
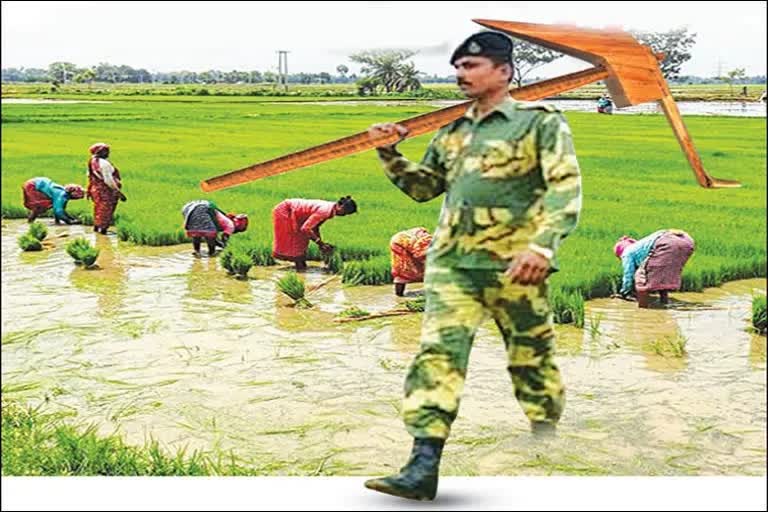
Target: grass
759, 313
38, 443
82, 251
636, 180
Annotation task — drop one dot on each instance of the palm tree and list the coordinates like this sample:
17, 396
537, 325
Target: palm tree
408, 79
383, 66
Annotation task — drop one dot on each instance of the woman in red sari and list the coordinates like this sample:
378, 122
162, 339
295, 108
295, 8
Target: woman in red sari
297, 221
409, 252
103, 187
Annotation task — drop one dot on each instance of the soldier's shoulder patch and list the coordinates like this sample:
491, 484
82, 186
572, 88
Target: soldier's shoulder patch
537, 105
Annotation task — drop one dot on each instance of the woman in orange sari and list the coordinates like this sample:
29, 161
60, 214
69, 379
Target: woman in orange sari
104, 186
409, 252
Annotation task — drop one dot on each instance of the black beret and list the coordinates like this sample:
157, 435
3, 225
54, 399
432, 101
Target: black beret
493, 45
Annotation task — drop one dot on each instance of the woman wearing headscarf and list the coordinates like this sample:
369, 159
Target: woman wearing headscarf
653, 264
204, 220
296, 222
104, 186
42, 194
409, 252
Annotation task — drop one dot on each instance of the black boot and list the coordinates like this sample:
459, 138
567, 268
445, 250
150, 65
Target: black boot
543, 429
417, 480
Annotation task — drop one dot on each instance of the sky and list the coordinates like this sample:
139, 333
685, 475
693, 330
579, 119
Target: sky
196, 36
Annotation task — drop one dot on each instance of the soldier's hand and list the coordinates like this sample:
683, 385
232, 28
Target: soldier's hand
528, 268
380, 132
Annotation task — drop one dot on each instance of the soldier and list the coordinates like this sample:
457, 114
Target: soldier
512, 193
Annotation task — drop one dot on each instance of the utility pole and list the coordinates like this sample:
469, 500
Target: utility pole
282, 66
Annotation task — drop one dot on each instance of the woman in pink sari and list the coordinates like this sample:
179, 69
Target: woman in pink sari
296, 222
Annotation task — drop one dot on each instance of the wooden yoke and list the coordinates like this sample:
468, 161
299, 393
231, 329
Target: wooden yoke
630, 70
634, 75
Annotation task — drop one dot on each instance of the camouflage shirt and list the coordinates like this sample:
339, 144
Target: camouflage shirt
511, 180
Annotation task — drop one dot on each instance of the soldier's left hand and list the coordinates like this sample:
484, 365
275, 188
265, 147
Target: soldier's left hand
528, 268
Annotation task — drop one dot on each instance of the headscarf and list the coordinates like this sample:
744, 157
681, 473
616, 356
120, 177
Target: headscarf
74, 191
622, 244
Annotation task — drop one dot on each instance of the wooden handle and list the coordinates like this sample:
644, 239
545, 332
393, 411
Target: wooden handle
419, 125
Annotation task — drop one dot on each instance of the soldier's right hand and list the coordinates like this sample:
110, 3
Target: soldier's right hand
382, 131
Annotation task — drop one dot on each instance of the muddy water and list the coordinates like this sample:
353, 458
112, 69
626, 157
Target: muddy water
687, 108
158, 344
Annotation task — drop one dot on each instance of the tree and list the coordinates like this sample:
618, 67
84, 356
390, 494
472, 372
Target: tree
62, 71
408, 79
528, 56
674, 44
86, 75
342, 70
13, 74
255, 77
732, 76
324, 77
106, 72
383, 67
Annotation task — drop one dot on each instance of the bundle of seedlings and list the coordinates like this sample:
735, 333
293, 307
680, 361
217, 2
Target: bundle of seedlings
759, 316
293, 286
38, 230
236, 261
28, 242
416, 305
354, 312
333, 262
82, 252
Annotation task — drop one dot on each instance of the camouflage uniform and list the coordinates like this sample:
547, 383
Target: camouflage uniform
512, 184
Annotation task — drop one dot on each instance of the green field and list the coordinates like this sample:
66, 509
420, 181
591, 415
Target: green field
268, 92
636, 179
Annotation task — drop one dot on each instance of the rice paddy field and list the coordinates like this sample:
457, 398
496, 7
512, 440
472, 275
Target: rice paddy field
635, 177
143, 92
158, 357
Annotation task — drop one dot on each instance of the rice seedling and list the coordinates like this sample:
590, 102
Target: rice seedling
27, 242
293, 286
236, 261
354, 312
373, 271
759, 313
333, 262
669, 346
567, 307
38, 230
640, 166
594, 326
82, 252
416, 305
41, 443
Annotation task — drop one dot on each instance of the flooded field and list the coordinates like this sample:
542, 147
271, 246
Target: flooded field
687, 108
158, 344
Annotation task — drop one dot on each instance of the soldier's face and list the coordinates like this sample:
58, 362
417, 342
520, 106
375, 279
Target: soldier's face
479, 76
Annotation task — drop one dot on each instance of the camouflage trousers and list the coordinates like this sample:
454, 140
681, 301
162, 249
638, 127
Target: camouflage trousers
457, 302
